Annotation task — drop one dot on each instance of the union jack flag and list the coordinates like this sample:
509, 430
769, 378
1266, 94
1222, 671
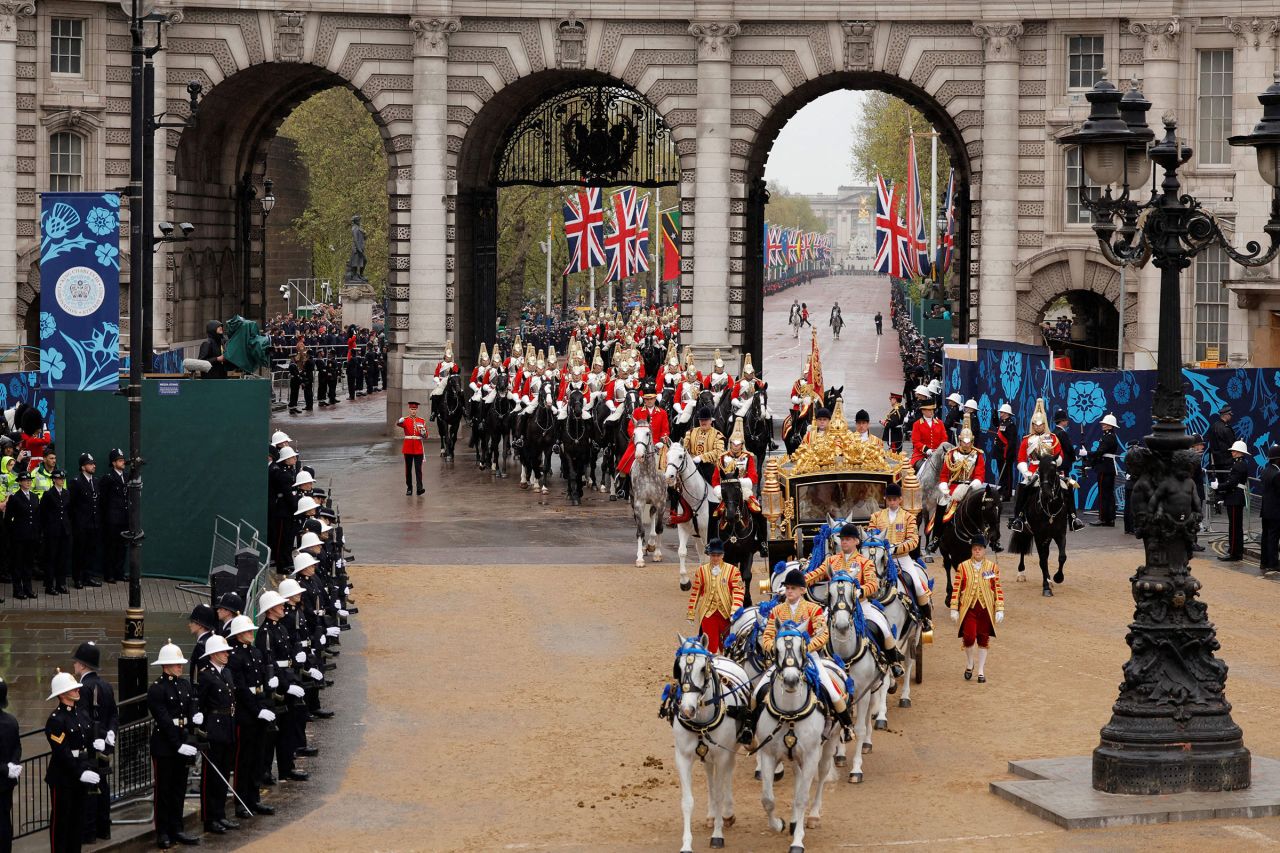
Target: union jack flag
890, 230
947, 246
627, 246
791, 242
584, 230
773, 246
915, 257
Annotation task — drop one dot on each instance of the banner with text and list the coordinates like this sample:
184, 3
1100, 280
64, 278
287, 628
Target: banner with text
80, 291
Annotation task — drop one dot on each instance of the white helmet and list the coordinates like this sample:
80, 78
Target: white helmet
971, 404
1006, 409
309, 540
280, 437
305, 505
1109, 420
239, 625
1239, 447
935, 386
923, 391
955, 398
301, 561
170, 655
270, 599
289, 588
213, 645
63, 682
286, 452
303, 478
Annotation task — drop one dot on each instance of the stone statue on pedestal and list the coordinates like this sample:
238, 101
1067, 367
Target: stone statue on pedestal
355, 264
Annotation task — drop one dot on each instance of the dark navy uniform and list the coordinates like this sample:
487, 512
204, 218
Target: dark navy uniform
218, 704
114, 492
22, 523
172, 702
69, 743
249, 676
10, 753
97, 705
1103, 462
278, 653
1232, 488
55, 530
86, 529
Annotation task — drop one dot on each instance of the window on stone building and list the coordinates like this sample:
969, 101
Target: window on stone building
1084, 61
1211, 302
66, 162
66, 45
1216, 68
1076, 213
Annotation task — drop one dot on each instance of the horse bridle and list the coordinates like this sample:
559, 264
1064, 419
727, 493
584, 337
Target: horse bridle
686, 464
743, 527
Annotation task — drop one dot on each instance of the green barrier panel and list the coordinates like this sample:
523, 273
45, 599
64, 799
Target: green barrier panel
205, 444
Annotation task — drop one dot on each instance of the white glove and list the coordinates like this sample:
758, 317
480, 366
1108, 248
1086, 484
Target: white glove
342, 564
1126, 476
976, 484
955, 615
337, 603
1024, 470
943, 490
269, 716
300, 657
198, 718
1082, 453
999, 616
111, 737
929, 452
100, 745
295, 690
187, 750
315, 674
346, 591
334, 631
324, 640
15, 770
344, 613
273, 682
1213, 485
90, 778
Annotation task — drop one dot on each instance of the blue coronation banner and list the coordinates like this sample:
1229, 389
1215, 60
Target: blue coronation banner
80, 291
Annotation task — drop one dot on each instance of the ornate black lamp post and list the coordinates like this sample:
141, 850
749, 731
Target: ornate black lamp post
268, 205
1171, 728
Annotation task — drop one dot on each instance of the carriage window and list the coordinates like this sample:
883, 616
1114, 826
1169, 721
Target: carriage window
816, 502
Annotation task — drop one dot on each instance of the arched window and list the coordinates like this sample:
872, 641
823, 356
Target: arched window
66, 162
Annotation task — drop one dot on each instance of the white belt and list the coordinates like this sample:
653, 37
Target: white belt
1111, 455
306, 644
75, 753
282, 664
413, 438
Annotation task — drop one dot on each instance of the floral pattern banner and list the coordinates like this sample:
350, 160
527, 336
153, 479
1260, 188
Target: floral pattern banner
1018, 375
80, 291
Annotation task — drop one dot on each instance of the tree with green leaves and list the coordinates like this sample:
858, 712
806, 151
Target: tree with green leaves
880, 145
791, 211
342, 149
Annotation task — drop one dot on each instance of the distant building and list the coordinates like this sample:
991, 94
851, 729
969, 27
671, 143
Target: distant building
850, 216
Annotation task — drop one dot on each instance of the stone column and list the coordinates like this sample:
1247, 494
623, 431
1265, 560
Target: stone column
998, 247
711, 188
10, 323
428, 218
1255, 55
1160, 84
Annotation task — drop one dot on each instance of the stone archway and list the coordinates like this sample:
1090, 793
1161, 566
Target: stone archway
1051, 274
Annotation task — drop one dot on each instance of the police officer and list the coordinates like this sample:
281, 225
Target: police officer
71, 773
97, 705
86, 524
1103, 462
42, 476
202, 623
253, 715
114, 491
1232, 489
55, 531
229, 606
22, 524
216, 718
11, 754
172, 703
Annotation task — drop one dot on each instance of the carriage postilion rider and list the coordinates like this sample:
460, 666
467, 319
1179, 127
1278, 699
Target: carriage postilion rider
659, 432
795, 612
977, 603
716, 595
927, 433
444, 368
1039, 443
897, 525
965, 466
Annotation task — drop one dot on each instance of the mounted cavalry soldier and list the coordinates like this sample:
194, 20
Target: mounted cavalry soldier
534, 368
482, 376
718, 380
705, 444
715, 596
1039, 443
687, 399
670, 375
927, 433
748, 386
737, 462
1103, 462
964, 466
444, 369
598, 378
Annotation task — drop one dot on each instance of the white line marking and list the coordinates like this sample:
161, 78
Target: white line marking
879, 339
952, 840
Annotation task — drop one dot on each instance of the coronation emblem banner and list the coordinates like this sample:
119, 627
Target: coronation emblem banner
79, 291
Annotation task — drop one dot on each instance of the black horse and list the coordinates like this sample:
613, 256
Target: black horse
793, 429
1048, 514
577, 448
499, 417
475, 423
721, 412
615, 439
541, 433
651, 353
449, 415
741, 530
757, 431
978, 513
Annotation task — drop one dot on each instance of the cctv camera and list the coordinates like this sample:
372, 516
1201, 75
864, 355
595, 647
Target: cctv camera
186, 228
166, 228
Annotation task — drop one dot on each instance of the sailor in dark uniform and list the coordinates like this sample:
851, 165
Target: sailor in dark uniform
172, 702
98, 707
216, 718
71, 773
1103, 462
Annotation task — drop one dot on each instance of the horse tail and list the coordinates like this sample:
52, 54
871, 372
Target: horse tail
1020, 542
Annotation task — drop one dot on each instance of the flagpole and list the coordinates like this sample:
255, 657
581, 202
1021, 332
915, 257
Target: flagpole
933, 196
656, 297
591, 284
548, 267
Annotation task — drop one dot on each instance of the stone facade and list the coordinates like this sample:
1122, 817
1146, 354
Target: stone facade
444, 81
849, 214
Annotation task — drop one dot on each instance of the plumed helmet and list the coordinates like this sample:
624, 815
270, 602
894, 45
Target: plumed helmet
966, 433
1039, 420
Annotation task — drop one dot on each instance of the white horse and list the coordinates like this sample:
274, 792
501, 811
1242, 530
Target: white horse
683, 476
849, 639
711, 697
794, 726
899, 620
930, 475
648, 495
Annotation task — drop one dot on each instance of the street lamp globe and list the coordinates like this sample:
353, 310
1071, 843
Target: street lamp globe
143, 8
1104, 136
268, 197
1265, 138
